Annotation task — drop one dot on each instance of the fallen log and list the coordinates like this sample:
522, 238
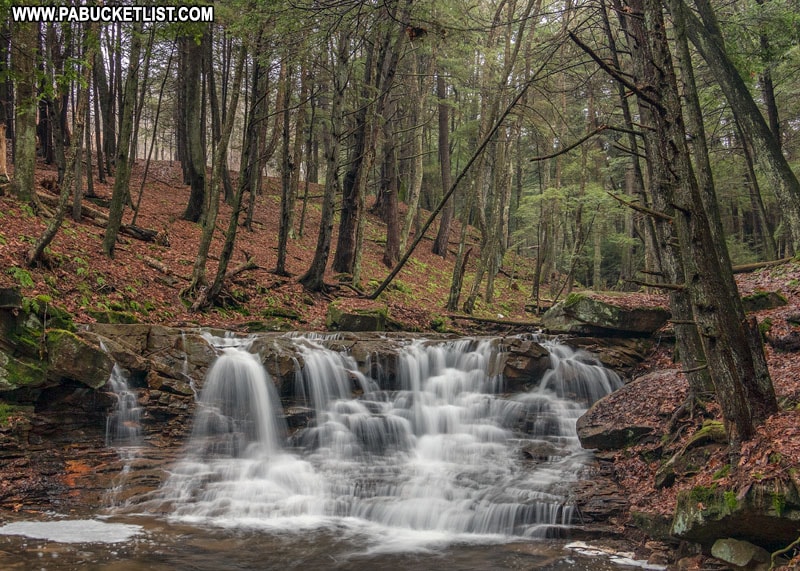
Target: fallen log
498, 321
247, 265
101, 219
745, 268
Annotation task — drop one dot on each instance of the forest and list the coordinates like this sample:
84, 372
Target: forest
506, 152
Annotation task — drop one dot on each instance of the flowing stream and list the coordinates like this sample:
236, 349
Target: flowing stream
442, 467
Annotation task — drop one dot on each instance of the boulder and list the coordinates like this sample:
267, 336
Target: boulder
10, 298
580, 313
603, 429
740, 553
368, 317
761, 300
17, 373
525, 363
766, 513
609, 436
69, 356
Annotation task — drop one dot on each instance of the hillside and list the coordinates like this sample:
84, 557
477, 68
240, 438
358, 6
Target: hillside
145, 278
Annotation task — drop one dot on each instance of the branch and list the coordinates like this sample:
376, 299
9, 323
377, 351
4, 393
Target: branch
577, 143
643, 209
247, 265
614, 73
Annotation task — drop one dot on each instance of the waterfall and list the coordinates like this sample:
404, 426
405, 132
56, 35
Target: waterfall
442, 456
123, 424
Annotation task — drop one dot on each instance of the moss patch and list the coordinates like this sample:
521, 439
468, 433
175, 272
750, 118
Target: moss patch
761, 300
20, 373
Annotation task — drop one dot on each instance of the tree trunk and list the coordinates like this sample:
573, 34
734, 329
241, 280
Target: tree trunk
442, 241
390, 186
73, 155
313, 279
218, 157
193, 137
98, 139
209, 295
24, 66
123, 175
355, 181
287, 166
707, 38
3, 156
745, 396
106, 102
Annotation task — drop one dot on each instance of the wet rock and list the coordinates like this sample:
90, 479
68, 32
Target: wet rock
741, 553
598, 496
174, 386
541, 451
618, 353
525, 363
10, 298
131, 336
582, 314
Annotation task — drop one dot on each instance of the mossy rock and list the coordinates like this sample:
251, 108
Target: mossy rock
71, 357
767, 514
580, 313
761, 300
18, 373
50, 314
712, 431
281, 312
369, 317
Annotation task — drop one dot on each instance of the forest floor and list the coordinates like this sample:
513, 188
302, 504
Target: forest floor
81, 278
146, 278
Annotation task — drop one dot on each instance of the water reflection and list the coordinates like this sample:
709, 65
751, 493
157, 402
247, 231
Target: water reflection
163, 547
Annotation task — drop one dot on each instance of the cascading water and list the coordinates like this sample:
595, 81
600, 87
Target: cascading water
445, 457
123, 424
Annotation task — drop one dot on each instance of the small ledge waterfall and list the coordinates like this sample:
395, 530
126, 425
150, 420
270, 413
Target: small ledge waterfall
445, 455
123, 424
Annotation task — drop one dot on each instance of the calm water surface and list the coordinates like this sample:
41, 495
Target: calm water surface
160, 546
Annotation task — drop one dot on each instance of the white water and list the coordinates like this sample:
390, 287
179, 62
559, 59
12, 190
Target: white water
440, 460
123, 426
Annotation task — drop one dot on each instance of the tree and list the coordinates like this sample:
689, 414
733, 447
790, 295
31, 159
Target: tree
379, 72
36, 251
332, 133
24, 69
193, 139
706, 35
218, 159
442, 242
742, 389
122, 162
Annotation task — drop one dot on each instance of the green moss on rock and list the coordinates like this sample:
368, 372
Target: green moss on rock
372, 317
760, 300
71, 357
18, 373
